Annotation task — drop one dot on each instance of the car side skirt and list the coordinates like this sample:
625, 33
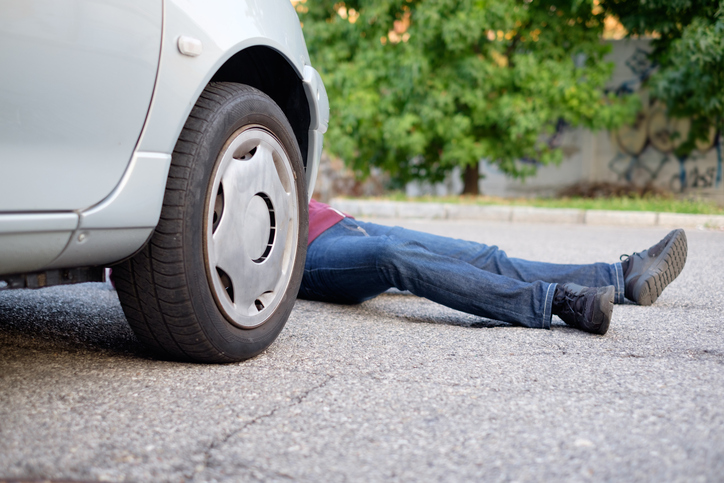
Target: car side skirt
110, 231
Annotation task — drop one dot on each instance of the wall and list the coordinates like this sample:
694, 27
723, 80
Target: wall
639, 154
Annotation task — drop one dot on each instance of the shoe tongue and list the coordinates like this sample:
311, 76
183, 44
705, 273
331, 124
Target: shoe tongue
626, 265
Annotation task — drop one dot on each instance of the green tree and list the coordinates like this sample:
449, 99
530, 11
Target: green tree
688, 47
420, 86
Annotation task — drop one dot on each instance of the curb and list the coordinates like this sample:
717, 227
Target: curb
524, 214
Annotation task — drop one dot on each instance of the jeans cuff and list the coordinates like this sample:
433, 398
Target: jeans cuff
548, 306
618, 283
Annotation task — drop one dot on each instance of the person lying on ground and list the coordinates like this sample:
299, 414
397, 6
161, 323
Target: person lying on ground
350, 261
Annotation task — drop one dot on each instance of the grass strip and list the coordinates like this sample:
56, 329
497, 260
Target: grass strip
621, 203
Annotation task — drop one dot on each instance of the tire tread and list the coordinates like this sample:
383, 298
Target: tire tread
153, 285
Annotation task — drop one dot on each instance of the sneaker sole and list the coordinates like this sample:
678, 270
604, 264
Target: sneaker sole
603, 309
658, 276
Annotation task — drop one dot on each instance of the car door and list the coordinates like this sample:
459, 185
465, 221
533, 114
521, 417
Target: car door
76, 81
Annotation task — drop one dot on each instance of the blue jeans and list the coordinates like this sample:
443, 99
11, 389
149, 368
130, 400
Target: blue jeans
354, 261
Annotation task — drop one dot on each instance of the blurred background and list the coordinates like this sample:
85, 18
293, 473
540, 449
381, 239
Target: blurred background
527, 98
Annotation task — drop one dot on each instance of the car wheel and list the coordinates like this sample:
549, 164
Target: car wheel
220, 275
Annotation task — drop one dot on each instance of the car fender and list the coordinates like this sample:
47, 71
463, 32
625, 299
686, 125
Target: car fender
198, 39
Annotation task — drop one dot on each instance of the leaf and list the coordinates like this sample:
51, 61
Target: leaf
419, 87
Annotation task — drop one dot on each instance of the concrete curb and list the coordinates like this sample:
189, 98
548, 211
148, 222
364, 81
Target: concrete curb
525, 214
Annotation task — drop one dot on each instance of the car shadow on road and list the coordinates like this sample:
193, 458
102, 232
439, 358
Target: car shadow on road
84, 317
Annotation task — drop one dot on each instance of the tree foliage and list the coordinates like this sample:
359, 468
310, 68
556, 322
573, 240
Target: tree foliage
688, 41
418, 87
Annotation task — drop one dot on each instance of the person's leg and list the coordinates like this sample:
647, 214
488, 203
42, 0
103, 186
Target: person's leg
344, 265
490, 258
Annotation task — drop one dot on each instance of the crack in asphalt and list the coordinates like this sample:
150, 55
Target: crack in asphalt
218, 443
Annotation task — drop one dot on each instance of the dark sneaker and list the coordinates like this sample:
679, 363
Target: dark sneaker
647, 274
585, 308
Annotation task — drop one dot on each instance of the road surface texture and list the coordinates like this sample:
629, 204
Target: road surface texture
395, 389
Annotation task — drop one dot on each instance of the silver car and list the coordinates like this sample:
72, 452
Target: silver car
176, 140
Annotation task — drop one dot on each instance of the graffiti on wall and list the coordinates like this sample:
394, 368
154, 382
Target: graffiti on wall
654, 131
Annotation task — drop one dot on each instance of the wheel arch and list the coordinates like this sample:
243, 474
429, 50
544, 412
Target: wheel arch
266, 69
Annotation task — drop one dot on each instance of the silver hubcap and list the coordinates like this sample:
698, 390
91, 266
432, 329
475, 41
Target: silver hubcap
251, 227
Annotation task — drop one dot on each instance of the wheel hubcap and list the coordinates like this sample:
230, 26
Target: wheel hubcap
251, 227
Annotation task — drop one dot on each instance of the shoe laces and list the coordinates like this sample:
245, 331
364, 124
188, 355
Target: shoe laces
571, 303
576, 303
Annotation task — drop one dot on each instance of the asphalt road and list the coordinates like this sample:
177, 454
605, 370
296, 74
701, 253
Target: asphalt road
396, 389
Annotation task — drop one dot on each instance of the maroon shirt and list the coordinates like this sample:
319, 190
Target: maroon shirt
321, 218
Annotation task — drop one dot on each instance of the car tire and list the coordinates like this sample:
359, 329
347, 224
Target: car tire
220, 274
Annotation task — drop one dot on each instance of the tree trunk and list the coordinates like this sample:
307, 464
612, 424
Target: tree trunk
719, 127
471, 178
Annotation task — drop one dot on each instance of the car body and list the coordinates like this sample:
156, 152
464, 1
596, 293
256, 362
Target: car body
93, 98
